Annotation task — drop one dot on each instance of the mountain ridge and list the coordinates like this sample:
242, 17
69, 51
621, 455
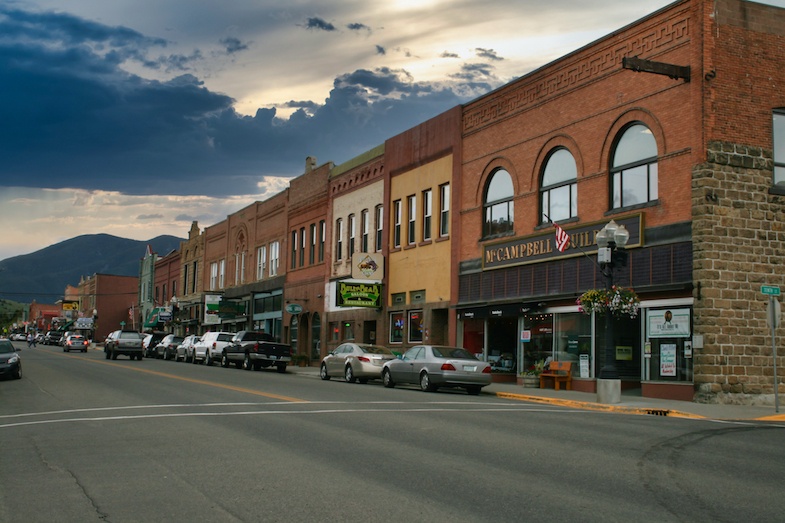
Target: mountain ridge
44, 274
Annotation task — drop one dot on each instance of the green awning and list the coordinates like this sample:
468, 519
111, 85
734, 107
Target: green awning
152, 319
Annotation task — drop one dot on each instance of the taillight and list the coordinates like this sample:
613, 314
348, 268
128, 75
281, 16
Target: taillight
486, 370
364, 358
256, 347
448, 366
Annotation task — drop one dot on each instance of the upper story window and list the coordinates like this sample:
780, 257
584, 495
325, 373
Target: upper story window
239, 268
302, 246
293, 261
352, 233
427, 213
379, 227
444, 210
275, 258
322, 235
498, 205
338, 239
559, 188
312, 251
365, 229
221, 274
397, 217
411, 216
779, 147
261, 261
634, 167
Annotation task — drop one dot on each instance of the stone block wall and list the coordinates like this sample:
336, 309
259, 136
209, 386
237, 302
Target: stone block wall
739, 245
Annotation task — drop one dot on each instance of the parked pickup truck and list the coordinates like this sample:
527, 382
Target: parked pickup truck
253, 350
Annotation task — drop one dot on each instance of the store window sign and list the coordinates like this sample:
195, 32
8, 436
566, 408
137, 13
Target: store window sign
526, 336
669, 323
668, 359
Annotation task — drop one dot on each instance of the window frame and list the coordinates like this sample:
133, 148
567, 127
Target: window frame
411, 219
427, 215
616, 173
488, 206
293, 262
444, 210
778, 149
547, 191
364, 230
261, 261
397, 217
379, 211
352, 231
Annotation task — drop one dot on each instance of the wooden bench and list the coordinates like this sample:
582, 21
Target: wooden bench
559, 372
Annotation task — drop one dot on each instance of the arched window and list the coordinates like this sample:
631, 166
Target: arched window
559, 188
634, 167
498, 205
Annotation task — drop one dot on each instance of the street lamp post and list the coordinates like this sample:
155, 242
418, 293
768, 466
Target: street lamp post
611, 241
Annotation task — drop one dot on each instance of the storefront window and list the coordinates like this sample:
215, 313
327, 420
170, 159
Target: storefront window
334, 331
627, 343
668, 351
572, 335
348, 330
396, 327
473, 336
415, 327
540, 336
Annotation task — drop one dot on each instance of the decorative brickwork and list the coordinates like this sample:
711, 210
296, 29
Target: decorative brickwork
739, 245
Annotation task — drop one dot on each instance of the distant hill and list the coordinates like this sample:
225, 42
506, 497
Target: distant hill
43, 275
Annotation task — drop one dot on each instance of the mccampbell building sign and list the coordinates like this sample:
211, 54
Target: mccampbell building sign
542, 246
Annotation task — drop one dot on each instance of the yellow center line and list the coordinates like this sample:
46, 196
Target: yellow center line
192, 380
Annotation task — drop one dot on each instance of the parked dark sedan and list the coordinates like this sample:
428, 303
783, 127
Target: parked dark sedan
167, 347
10, 362
434, 366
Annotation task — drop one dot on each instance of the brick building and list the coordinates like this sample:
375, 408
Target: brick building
355, 300
664, 126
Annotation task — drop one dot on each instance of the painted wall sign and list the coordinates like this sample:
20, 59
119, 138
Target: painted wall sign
367, 266
294, 308
355, 294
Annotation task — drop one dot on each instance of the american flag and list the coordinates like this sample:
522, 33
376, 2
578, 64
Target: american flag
562, 238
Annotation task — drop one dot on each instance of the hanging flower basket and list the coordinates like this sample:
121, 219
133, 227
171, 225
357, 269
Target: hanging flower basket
621, 302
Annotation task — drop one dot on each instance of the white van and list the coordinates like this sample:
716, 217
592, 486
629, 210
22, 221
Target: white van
209, 348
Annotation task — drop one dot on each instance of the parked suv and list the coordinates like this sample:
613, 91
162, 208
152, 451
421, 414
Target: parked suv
128, 343
211, 346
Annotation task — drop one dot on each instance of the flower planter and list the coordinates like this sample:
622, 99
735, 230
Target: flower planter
530, 382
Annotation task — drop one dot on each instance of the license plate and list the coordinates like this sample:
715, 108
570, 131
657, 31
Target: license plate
470, 368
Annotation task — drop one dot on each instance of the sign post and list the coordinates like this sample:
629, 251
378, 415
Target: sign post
773, 314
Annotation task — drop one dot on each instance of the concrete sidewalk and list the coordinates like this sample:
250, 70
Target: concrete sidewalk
631, 402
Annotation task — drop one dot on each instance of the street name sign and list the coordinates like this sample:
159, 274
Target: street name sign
770, 290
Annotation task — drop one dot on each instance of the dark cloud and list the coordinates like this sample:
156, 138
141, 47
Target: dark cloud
320, 24
150, 217
449, 55
380, 50
233, 45
73, 118
490, 54
358, 27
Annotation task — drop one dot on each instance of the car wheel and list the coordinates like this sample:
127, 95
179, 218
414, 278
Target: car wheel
193, 359
323, 372
224, 360
247, 363
425, 383
387, 380
18, 372
208, 358
348, 373
106, 353
281, 367
65, 350
473, 390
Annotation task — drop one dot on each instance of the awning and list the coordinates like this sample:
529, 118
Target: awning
152, 319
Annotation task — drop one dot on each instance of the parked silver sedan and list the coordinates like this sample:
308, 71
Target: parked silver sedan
356, 362
434, 366
185, 351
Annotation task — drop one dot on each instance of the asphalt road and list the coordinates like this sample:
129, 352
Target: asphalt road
89, 439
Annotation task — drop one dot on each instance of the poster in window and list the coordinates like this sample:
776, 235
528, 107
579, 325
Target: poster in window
668, 359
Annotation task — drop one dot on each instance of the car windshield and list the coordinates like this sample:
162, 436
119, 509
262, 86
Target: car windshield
76, 338
6, 347
375, 349
130, 335
453, 352
224, 337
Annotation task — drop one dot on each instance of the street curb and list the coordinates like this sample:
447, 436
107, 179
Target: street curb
639, 411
